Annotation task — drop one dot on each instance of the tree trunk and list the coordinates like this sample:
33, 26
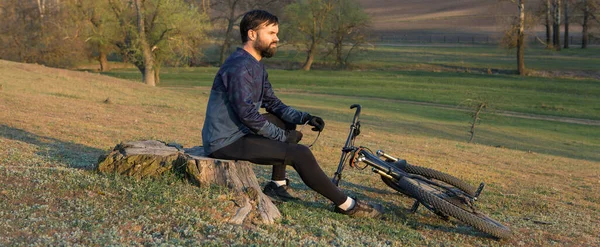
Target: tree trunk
103, 61
566, 38
310, 56
226, 43
339, 49
142, 159
556, 26
521, 39
548, 25
148, 68
584, 31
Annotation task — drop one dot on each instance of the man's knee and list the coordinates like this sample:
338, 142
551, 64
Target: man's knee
296, 152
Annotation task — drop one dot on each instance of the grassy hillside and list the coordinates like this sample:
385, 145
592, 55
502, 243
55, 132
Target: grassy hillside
55, 123
467, 17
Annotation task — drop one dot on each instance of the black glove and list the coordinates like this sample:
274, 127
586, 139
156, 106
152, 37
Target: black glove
316, 122
293, 136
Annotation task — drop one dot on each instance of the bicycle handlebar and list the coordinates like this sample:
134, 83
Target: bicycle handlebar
357, 113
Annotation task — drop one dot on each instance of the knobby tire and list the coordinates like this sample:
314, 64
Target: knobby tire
444, 177
475, 219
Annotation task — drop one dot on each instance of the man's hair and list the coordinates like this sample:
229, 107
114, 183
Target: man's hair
253, 19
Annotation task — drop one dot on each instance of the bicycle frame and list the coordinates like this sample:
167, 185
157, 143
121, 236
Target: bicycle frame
379, 166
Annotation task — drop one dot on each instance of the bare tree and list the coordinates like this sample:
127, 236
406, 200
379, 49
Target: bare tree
556, 26
226, 14
39, 31
349, 25
586, 18
588, 8
566, 38
548, 23
521, 39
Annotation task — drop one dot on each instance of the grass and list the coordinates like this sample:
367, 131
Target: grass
567, 97
55, 123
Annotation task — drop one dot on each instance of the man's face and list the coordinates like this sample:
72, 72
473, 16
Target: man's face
266, 40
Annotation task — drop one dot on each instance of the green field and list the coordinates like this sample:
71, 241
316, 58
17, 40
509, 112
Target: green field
542, 176
397, 95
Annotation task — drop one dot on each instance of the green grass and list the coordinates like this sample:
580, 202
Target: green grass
423, 80
547, 96
381, 57
53, 128
563, 139
386, 92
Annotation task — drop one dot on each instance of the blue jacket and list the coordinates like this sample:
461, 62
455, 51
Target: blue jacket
240, 89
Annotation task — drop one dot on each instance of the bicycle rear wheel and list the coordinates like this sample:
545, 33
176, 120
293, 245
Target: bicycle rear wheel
431, 197
444, 177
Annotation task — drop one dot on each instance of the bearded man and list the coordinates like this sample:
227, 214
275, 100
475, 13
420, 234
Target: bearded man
235, 130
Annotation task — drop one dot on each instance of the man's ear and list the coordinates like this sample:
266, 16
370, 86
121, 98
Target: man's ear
252, 35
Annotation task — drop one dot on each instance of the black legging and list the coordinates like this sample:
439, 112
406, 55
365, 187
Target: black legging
264, 151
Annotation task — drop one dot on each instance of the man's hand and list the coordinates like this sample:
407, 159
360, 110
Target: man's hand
317, 123
293, 136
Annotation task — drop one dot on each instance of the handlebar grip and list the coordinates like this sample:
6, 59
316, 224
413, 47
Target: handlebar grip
358, 108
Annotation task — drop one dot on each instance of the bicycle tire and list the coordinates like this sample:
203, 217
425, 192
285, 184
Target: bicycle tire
444, 177
477, 220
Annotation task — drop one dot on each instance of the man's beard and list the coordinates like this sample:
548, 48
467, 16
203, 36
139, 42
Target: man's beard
266, 50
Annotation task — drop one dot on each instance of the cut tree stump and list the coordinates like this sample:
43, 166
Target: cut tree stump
151, 158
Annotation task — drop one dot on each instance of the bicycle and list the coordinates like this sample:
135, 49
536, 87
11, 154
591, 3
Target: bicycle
443, 194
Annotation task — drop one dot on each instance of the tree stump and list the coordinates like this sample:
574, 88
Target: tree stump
152, 158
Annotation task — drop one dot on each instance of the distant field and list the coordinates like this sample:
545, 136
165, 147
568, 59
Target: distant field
446, 75
439, 16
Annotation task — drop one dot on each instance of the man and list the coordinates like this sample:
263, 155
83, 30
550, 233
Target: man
234, 129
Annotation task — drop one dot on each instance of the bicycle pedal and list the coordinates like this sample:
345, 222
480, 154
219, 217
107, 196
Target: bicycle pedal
479, 190
414, 207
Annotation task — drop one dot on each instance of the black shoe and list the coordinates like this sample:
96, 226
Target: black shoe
362, 209
279, 193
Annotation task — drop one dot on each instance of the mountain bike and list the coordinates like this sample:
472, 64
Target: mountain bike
443, 194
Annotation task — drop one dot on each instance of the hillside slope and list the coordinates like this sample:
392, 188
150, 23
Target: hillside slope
55, 123
440, 17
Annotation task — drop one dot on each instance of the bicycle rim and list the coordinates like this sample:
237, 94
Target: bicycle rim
477, 220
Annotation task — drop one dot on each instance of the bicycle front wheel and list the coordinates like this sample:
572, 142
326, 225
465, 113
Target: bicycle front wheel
430, 197
444, 177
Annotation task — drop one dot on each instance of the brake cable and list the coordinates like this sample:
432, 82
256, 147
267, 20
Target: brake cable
316, 138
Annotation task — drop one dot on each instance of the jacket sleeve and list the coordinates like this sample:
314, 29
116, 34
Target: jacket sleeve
240, 93
274, 106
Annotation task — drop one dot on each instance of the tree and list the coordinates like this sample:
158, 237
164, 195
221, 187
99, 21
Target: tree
548, 23
227, 14
155, 31
588, 7
566, 24
101, 28
349, 23
39, 31
521, 39
307, 23
514, 36
556, 26
586, 18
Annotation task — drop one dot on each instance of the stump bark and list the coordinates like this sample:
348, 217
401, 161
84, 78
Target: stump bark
152, 158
